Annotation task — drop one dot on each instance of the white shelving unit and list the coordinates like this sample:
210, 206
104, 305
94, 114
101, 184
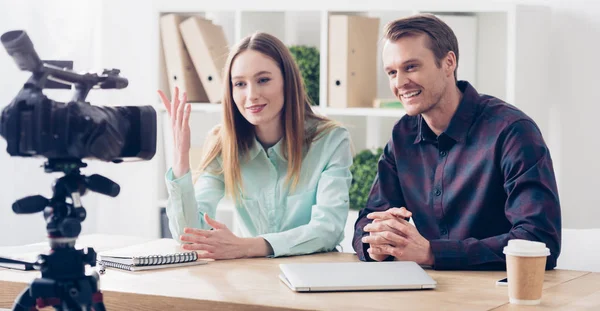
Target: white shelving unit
497, 43
363, 112
503, 52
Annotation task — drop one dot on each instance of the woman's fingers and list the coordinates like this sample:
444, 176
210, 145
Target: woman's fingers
186, 115
207, 255
181, 109
165, 100
175, 100
199, 247
174, 106
213, 223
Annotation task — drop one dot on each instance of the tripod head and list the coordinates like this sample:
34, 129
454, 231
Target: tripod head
63, 218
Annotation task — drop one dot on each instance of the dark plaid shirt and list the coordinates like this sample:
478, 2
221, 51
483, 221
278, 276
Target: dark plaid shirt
486, 179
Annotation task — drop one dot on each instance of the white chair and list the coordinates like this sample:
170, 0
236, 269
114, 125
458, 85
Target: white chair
580, 250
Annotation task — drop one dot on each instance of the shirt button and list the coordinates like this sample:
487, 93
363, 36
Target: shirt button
443, 153
437, 192
443, 231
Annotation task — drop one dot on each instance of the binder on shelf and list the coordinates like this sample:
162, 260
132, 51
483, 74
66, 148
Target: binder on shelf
208, 49
180, 70
352, 61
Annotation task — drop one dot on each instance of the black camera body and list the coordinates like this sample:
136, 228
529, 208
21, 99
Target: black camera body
35, 125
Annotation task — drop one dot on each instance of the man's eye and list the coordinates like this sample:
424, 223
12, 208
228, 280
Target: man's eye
410, 67
391, 72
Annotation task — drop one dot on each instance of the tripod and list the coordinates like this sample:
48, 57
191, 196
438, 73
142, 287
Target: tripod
64, 284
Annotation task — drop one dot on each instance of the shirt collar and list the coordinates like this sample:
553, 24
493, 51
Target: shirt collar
461, 120
309, 123
424, 133
257, 147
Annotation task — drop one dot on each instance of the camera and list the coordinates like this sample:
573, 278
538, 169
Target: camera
65, 133
37, 126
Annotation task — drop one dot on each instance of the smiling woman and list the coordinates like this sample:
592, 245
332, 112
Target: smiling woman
258, 94
286, 168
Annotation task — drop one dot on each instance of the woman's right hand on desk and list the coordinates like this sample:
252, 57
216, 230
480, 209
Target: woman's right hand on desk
179, 113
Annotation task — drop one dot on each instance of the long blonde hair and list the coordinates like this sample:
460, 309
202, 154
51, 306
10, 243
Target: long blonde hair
235, 137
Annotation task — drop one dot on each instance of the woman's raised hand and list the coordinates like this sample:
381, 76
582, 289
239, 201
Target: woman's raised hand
179, 113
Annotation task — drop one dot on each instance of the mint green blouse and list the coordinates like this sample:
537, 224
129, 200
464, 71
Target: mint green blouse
312, 219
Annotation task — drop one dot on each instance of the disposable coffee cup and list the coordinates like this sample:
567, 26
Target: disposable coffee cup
525, 266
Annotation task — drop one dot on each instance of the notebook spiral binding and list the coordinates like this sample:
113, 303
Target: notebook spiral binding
166, 259
154, 260
117, 265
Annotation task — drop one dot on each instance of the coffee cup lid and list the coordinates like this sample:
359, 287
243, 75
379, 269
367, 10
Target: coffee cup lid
525, 248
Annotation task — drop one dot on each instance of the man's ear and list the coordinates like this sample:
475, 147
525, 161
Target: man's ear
449, 63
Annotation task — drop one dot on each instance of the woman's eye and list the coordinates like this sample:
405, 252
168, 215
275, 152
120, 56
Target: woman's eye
239, 84
263, 80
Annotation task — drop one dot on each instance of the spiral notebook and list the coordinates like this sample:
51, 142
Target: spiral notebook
157, 254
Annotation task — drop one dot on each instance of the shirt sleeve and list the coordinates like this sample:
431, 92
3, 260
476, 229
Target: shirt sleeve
532, 205
385, 193
188, 203
328, 217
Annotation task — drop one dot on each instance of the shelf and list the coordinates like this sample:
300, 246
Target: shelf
364, 112
197, 107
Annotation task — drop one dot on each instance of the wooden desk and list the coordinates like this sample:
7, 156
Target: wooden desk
253, 284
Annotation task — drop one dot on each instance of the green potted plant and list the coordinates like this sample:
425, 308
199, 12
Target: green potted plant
307, 58
364, 170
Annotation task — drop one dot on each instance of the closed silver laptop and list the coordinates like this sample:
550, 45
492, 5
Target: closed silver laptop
355, 276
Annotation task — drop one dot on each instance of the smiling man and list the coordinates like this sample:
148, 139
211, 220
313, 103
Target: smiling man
471, 170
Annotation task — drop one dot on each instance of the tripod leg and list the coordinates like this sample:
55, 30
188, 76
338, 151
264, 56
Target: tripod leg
97, 302
24, 301
99, 306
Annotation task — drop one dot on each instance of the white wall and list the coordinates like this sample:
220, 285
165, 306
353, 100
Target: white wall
59, 30
126, 31
576, 108
72, 29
